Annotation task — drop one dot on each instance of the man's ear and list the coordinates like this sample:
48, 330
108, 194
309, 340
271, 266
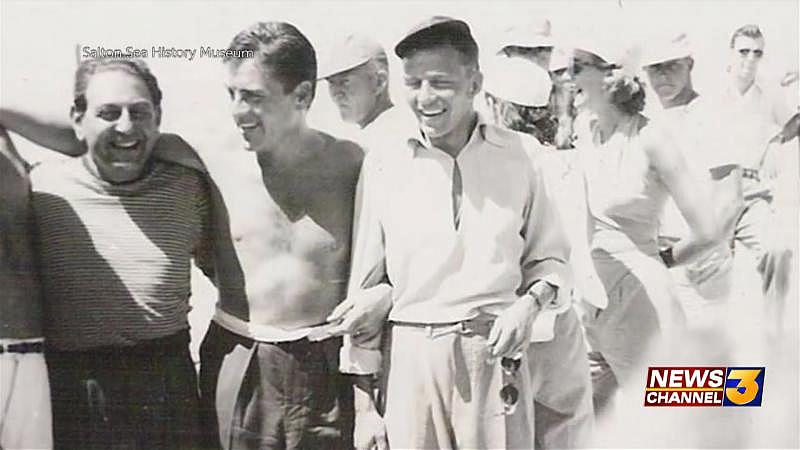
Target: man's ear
477, 83
77, 122
381, 80
303, 94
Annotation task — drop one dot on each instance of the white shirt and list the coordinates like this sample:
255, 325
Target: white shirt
508, 237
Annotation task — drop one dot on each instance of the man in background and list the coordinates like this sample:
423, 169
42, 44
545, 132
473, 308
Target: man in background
25, 412
357, 72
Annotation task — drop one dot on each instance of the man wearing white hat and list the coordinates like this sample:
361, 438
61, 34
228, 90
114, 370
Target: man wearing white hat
357, 72
692, 118
705, 284
562, 389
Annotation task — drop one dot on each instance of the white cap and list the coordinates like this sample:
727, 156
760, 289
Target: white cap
530, 35
559, 60
517, 80
350, 52
666, 48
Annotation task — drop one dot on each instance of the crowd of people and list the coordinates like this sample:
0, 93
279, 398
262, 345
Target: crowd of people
493, 264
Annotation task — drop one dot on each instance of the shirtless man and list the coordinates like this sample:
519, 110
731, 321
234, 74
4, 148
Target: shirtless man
291, 222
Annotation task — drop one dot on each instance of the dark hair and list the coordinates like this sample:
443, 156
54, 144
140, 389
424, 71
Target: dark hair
135, 67
445, 35
280, 48
749, 30
626, 91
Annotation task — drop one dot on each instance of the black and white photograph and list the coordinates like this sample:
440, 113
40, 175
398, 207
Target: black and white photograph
399, 225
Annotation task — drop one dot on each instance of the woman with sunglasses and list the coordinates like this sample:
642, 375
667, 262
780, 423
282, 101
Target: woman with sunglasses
630, 167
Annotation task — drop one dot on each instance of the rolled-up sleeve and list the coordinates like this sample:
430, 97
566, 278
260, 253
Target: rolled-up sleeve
546, 248
368, 276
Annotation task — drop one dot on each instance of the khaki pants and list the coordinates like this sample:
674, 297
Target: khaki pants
562, 389
443, 393
25, 417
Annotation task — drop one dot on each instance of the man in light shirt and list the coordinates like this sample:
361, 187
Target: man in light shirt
562, 389
456, 221
704, 285
357, 72
758, 112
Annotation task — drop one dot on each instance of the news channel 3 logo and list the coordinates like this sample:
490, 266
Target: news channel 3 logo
704, 386
744, 386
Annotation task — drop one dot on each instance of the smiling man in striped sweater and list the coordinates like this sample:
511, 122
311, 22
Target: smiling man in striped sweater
117, 229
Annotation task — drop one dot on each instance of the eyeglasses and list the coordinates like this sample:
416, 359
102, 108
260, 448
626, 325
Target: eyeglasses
576, 66
509, 394
758, 53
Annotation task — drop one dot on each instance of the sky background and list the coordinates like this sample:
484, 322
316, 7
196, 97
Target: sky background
39, 40
38, 59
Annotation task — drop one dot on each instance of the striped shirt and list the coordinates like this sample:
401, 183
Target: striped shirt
115, 259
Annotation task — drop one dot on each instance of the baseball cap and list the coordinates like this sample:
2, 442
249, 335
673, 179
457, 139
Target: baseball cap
432, 30
349, 52
665, 48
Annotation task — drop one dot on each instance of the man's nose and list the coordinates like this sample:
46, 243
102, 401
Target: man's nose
426, 94
124, 123
239, 107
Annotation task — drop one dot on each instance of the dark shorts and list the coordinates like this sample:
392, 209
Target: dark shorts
139, 397
287, 395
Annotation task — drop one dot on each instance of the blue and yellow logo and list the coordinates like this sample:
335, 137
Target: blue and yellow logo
744, 386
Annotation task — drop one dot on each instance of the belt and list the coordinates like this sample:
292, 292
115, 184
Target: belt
481, 327
22, 347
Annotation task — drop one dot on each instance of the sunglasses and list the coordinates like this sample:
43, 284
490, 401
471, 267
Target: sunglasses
743, 52
577, 66
509, 394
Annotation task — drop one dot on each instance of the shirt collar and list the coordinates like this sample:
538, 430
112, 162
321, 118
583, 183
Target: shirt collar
483, 132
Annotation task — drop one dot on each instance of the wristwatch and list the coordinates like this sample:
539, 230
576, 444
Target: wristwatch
537, 296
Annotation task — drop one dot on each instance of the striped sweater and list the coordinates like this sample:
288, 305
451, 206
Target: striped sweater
115, 259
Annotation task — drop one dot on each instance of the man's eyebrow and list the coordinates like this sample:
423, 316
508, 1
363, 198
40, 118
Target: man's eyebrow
246, 91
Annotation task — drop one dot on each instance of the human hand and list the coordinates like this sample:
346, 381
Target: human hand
362, 315
511, 331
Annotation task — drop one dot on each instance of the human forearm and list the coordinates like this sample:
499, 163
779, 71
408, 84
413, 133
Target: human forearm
687, 249
52, 133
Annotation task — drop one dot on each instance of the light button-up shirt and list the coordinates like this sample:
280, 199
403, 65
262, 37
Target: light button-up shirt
508, 236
